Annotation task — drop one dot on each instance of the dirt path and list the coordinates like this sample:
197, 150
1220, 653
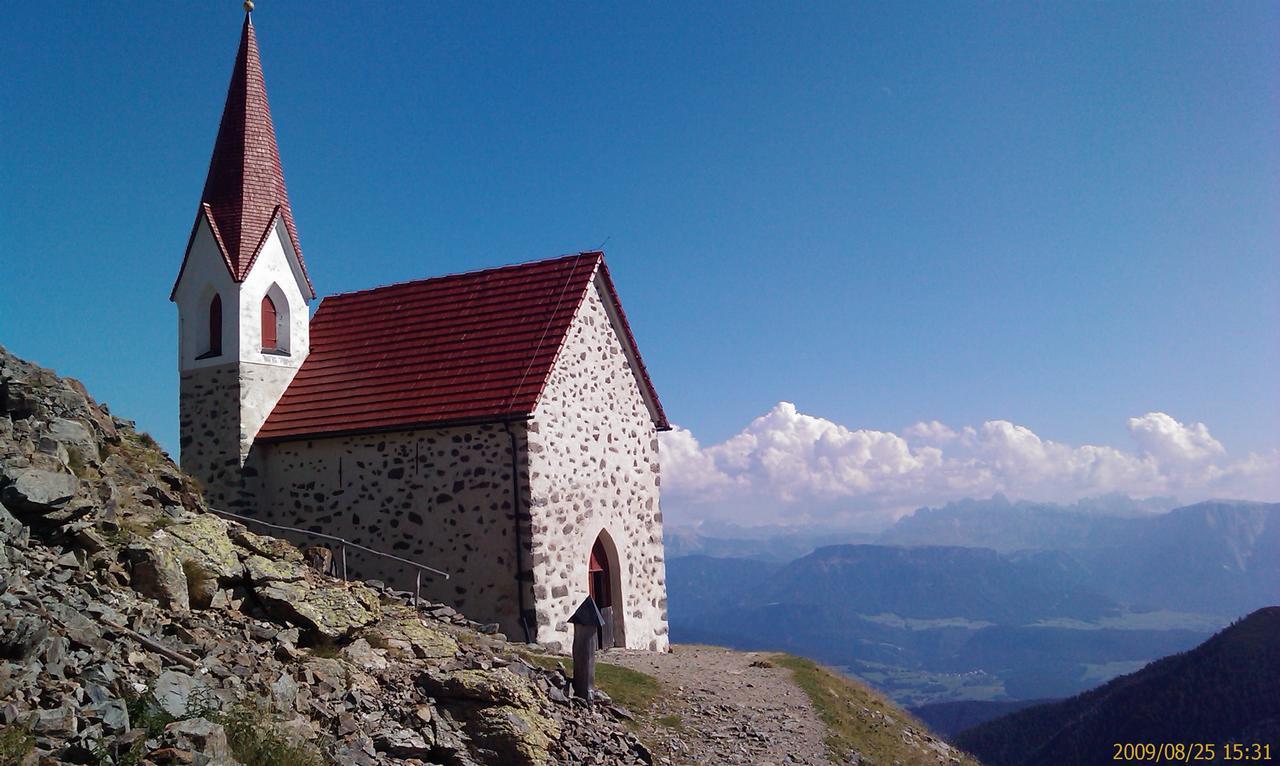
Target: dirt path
719, 708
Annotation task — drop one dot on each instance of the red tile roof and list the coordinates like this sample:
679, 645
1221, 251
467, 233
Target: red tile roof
466, 348
245, 191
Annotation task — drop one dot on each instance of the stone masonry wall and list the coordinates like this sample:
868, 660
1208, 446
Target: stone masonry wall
440, 497
594, 467
221, 409
209, 428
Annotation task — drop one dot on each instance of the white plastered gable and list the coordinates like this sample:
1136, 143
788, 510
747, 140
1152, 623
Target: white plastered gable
276, 271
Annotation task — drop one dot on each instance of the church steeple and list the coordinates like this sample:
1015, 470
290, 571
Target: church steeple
242, 292
245, 189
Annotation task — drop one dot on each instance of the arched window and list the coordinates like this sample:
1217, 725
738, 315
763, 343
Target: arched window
215, 326
270, 325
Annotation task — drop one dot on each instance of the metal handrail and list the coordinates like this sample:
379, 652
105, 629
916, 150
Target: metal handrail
417, 587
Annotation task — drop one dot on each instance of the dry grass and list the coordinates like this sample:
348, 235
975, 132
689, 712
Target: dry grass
857, 718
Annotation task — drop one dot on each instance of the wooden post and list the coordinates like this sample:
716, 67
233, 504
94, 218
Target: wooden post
587, 622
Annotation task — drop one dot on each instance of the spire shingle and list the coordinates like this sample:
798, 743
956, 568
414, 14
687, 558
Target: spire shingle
245, 188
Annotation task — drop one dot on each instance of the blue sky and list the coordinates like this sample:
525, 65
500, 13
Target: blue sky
1060, 215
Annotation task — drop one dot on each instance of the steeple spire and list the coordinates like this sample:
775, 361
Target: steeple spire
245, 191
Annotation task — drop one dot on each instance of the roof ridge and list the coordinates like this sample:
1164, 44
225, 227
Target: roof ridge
470, 273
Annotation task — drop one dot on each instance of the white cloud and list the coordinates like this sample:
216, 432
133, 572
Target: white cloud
1170, 441
789, 467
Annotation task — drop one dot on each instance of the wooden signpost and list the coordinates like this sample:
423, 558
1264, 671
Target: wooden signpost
587, 622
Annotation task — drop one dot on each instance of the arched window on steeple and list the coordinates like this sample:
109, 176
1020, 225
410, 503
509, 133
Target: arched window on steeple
215, 327
270, 325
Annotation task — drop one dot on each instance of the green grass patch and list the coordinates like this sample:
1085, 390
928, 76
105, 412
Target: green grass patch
15, 744
672, 721
253, 731
857, 718
629, 688
255, 739
632, 689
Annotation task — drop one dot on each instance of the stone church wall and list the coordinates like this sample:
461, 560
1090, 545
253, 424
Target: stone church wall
440, 497
593, 466
209, 430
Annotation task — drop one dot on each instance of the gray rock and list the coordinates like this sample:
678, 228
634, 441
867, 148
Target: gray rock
402, 743
23, 638
32, 490
59, 722
159, 575
73, 435
10, 528
173, 691
284, 690
112, 713
80, 629
206, 739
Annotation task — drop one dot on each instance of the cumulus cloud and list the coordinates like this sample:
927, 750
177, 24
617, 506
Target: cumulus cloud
793, 468
1173, 442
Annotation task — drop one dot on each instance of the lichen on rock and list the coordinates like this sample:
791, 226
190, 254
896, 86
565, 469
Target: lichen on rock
405, 635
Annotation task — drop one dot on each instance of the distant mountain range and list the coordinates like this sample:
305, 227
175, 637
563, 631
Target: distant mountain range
778, 544
1221, 557
1226, 690
1007, 526
953, 622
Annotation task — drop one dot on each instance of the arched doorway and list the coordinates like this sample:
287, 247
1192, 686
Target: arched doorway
603, 583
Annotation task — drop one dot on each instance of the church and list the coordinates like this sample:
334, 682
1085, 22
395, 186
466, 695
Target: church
498, 425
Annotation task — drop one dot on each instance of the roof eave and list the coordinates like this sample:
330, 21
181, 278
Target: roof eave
518, 417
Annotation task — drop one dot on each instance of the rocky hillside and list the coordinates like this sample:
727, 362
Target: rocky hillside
138, 628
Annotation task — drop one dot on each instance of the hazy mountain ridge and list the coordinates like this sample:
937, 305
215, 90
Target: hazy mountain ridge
1225, 690
925, 624
951, 622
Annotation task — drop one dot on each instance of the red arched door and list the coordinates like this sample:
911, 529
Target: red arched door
600, 585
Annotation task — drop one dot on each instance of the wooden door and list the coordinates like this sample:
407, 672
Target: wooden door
599, 575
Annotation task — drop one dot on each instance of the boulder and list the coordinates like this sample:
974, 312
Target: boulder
364, 656
498, 686
75, 437
22, 637
404, 635
331, 611
205, 739
403, 743
269, 547
82, 631
111, 713
520, 736
261, 570
11, 530
35, 491
157, 573
173, 691
203, 538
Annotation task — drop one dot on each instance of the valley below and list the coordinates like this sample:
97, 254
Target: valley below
1066, 601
